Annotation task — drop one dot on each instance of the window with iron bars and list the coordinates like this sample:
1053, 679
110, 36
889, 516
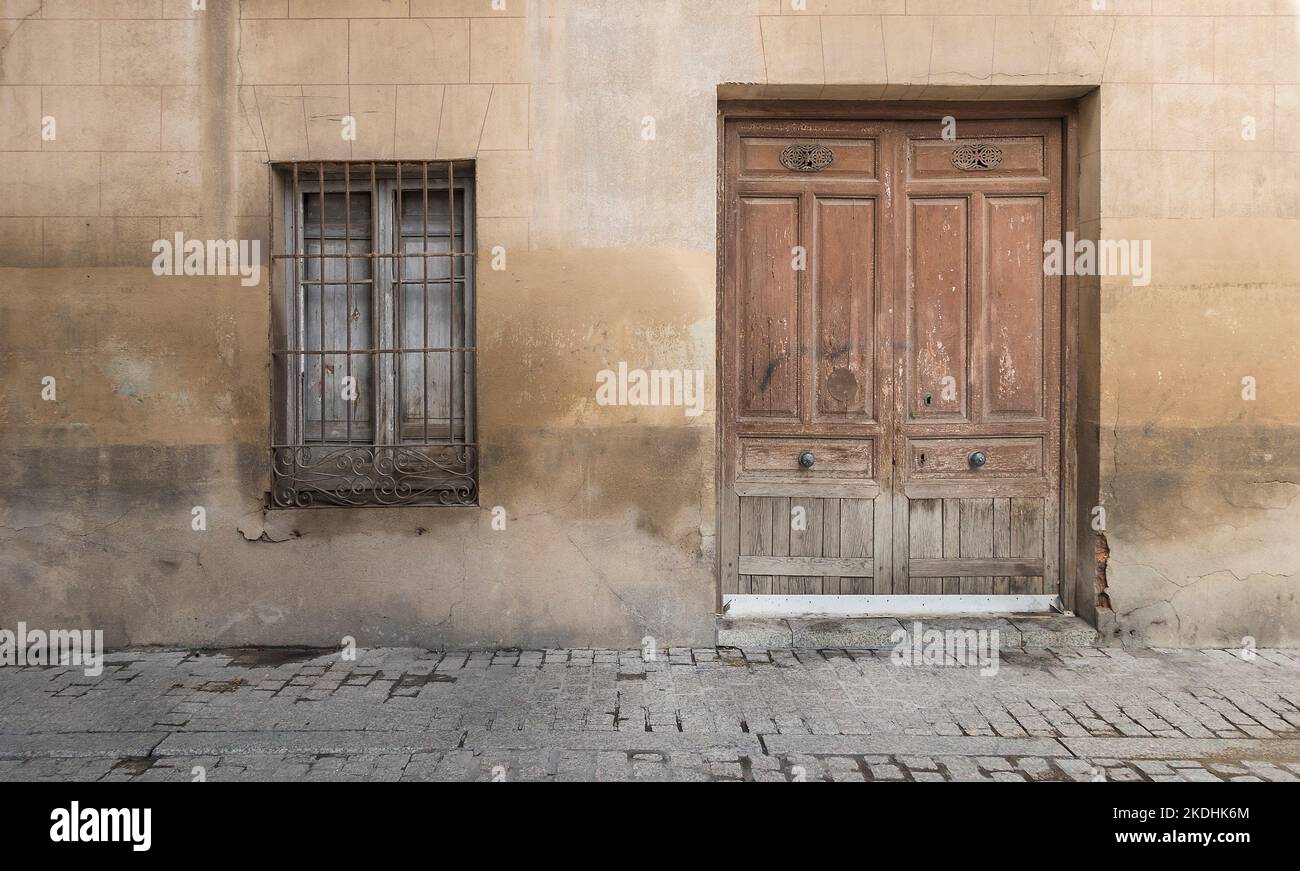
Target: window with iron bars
374, 350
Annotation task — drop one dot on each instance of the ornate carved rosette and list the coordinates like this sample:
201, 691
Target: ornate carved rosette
802, 157
974, 156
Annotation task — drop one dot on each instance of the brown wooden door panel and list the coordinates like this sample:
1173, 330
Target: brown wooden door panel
919, 331
845, 311
1013, 365
769, 307
937, 305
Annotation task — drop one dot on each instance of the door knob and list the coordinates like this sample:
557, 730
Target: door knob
806, 459
977, 459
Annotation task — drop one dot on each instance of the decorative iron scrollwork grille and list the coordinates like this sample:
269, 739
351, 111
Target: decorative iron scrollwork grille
806, 157
374, 326
976, 156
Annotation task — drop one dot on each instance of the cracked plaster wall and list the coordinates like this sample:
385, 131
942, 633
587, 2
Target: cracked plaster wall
167, 118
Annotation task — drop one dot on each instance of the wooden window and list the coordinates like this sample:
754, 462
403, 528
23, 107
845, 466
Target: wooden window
374, 336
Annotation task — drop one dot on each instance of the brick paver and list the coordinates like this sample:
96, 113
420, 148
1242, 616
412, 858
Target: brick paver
725, 714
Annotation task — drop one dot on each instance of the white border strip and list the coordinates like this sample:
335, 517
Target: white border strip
737, 605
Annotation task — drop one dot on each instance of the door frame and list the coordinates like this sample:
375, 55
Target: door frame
1072, 423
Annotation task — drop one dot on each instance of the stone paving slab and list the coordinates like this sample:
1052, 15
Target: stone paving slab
913, 745
1015, 632
72, 745
1183, 748
1074, 714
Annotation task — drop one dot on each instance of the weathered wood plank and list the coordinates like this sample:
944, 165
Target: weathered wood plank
806, 566
972, 569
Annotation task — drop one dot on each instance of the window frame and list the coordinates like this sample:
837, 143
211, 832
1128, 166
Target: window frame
381, 182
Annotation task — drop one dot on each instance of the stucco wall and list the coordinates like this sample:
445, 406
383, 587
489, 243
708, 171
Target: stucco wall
167, 117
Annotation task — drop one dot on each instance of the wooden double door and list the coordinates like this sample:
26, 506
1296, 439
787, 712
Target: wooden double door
890, 350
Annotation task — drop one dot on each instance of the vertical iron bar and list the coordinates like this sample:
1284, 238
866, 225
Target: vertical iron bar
399, 290
451, 309
347, 283
320, 175
294, 368
424, 271
376, 291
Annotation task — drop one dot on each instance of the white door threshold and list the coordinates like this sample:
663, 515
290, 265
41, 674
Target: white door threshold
747, 605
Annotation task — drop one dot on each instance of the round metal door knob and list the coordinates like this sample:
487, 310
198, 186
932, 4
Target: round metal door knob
806, 459
977, 459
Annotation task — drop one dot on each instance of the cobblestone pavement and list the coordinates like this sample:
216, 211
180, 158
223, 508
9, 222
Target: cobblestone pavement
706, 714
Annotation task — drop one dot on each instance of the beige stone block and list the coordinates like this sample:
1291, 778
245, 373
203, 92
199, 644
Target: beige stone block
20, 242
181, 121
504, 184
1212, 7
1286, 48
104, 117
102, 9
409, 51
1211, 117
467, 9
283, 121
1086, 7
326, 108
464, 108
1022, 49
907, 49
100, 241
1080, 46
248, 135
962, 52
263, 8
20, 8
1245, 184
854, 49
185, 8
1216, 251
253, 189
509, 233
506, 127
45, 182
903, 92
151, 52
1089, 133
847, 7
1157, 184
20, 118
851, 92
1287, 193
498, 50
168, 183
49, 52
1126, 116
418, 114
293, 51
1090, 187
349, 8
792, 49
1286, 132
986, 7
1163, 50
1244, 49
375, 109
